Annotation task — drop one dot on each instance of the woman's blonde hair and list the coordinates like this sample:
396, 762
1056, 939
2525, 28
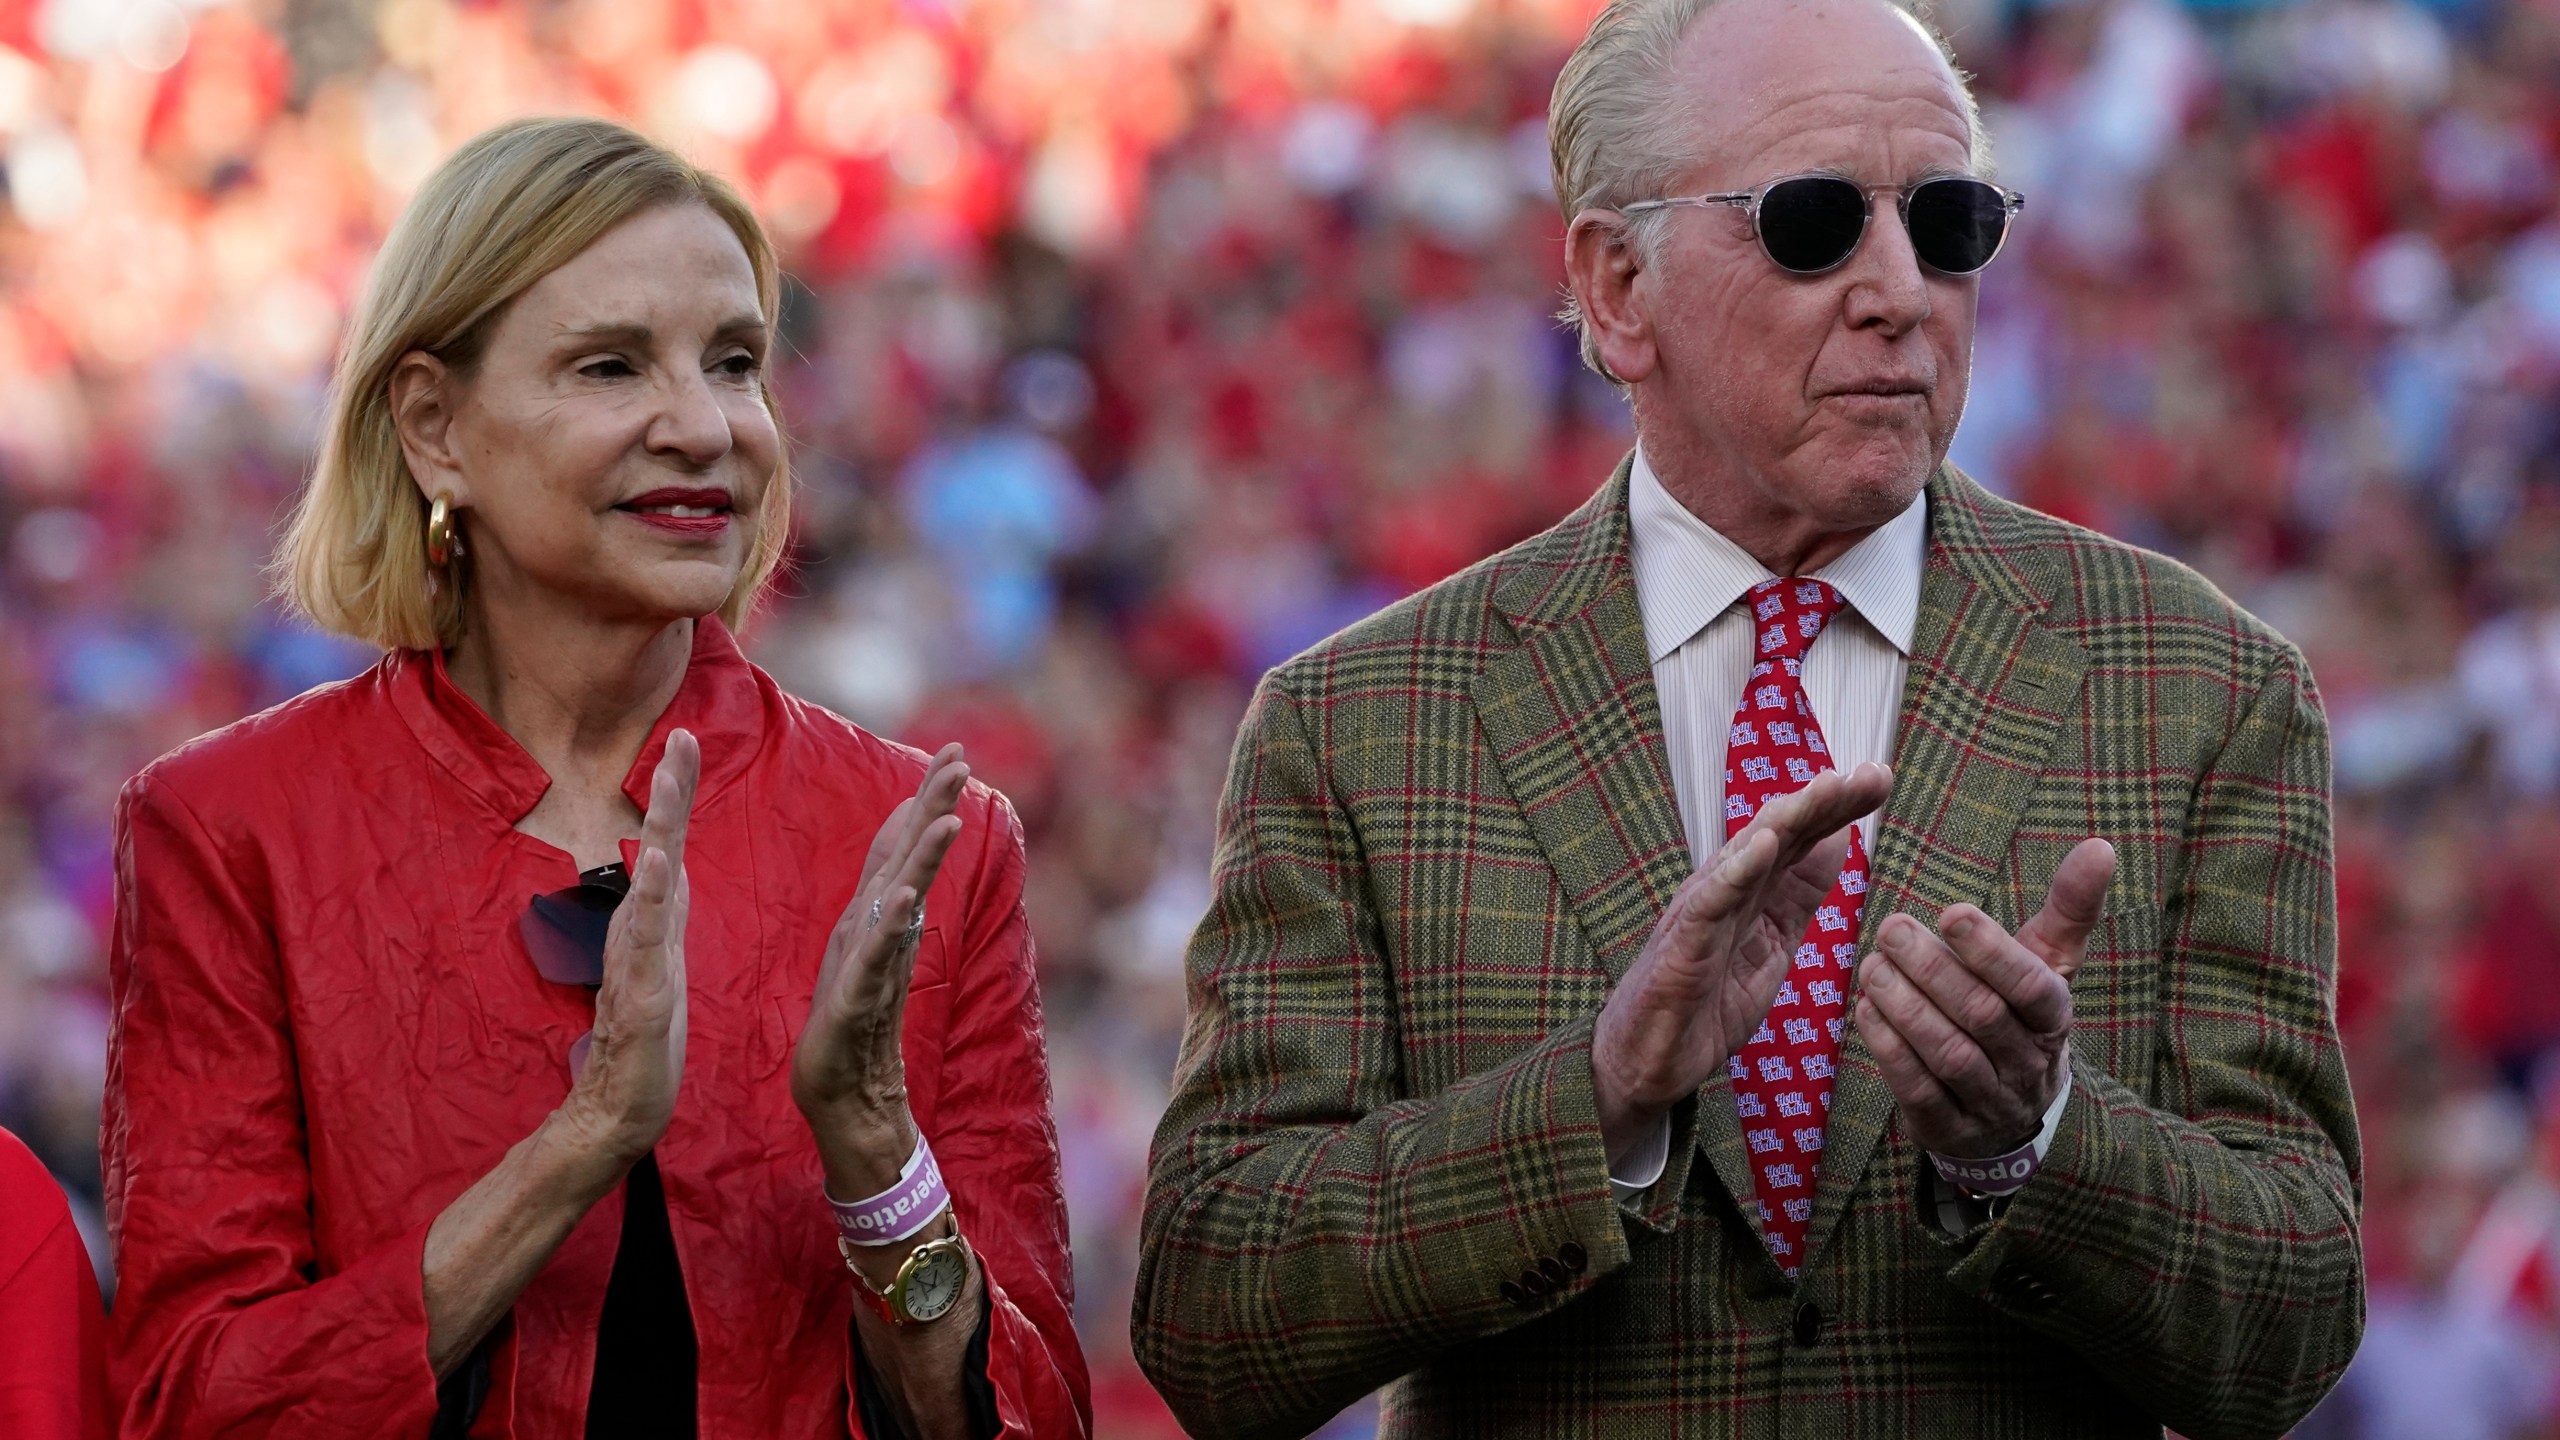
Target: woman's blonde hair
505, 210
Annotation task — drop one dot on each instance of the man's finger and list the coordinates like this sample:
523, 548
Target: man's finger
2059, 933
1938, 1041
1820, 864
1725, 887
1918, 1092
1805, 817
1791, 896
2016, 1053
2033, 991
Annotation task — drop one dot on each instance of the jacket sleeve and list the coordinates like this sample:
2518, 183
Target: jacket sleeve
1311, 1232
224, 1322
993, 1134
2201, 1248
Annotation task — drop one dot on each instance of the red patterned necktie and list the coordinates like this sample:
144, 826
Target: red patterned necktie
1782, 1075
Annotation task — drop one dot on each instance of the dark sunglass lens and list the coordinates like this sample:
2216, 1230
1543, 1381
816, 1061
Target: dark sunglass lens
1956, 225
1812, 224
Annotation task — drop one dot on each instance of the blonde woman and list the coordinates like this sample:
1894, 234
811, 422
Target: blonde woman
546, 1032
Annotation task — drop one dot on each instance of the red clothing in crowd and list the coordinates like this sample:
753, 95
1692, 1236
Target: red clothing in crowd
53, 1337
327, 1027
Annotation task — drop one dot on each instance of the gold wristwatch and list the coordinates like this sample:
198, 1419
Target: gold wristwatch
928, 1286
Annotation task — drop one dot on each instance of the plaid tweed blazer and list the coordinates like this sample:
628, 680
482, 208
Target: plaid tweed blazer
1450, 828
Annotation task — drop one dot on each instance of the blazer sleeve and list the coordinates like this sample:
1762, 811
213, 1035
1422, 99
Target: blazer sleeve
1310, 1232
997, 1143
2201, 1247
225, 1322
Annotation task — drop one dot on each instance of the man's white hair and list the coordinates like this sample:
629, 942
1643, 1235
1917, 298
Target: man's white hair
1612, 130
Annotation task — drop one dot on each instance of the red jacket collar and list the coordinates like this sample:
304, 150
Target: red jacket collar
719, 701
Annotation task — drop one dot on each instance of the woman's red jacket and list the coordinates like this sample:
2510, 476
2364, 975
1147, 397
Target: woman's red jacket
327, 1027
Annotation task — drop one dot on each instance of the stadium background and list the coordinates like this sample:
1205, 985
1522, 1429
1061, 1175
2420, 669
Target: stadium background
1139, 343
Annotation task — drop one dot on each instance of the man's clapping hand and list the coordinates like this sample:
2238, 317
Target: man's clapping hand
1712, 967
1971, 1026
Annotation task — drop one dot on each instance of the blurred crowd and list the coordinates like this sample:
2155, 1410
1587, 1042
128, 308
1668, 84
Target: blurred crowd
1138, 343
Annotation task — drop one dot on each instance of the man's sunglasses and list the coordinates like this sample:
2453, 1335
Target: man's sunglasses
1813, 223
565, 932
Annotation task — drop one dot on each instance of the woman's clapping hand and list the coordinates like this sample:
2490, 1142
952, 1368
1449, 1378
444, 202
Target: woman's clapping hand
626, 1092
847, 1073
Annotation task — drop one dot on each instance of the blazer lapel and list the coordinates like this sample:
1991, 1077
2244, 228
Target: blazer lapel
1988, 691
1572, 719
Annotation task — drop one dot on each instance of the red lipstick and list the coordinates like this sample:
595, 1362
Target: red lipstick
694, 514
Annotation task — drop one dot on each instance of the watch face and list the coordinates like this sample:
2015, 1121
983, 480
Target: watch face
933, 1286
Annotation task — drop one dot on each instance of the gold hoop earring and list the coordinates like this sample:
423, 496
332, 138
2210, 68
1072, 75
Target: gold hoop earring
444, 542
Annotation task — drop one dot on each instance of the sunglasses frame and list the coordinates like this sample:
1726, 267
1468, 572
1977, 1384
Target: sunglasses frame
2011, 202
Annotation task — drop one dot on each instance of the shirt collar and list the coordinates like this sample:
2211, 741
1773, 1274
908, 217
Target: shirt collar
719, 700
1687, 573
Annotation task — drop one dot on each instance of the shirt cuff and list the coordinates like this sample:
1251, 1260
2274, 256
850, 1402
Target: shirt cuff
2053, 1112
1644, 1164
1957, 1211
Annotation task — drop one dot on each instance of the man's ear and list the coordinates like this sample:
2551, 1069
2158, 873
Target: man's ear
422, 406
1602, 263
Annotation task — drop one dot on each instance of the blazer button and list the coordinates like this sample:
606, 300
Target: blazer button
1575, 1258
1808, 1324
1535, 1283
1554, 1270
1512, 1292
2029, 1291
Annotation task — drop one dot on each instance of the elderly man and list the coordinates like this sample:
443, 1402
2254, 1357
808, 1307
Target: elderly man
1994, 1094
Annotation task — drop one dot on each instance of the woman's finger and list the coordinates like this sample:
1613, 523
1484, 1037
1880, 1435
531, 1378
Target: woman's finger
944, 780
937, 793
906, 853
932, 848
651, 916
644, 950
930, 789
882, 962
884, 844
671, 789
